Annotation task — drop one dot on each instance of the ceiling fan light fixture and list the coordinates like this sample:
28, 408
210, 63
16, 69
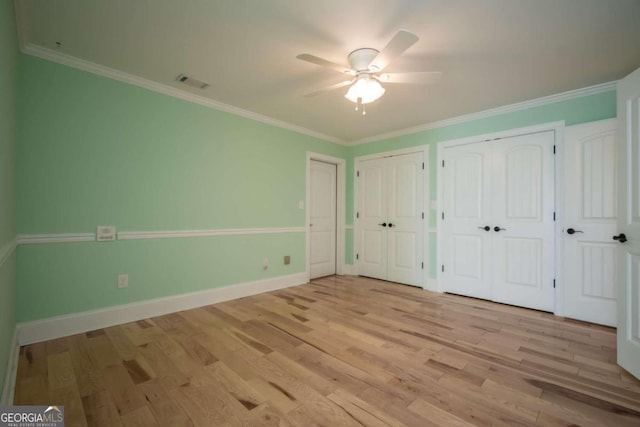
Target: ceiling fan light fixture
366, 89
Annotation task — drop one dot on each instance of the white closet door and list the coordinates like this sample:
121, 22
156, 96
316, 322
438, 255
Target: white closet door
404, 219
628, 235
323, 219
523, 226
590, 211
467, 207
372, 211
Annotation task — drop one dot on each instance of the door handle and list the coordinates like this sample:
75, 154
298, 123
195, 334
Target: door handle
620, 238
384, 224
572, 231
485, 228
391, 225
497, 229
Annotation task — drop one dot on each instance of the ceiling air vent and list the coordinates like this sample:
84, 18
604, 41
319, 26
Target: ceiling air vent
192, 82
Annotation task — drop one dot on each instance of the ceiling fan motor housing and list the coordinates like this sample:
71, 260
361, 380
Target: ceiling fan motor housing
360, 59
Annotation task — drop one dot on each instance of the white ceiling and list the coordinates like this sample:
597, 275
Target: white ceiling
492, 52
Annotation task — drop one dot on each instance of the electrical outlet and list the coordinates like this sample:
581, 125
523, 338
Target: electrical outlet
123, 281
301, 204
287, 259
265, 263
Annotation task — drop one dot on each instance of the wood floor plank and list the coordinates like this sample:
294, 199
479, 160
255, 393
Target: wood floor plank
339, 351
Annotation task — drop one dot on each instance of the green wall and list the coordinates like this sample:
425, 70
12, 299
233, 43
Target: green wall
8, 83
95, 151
572, 112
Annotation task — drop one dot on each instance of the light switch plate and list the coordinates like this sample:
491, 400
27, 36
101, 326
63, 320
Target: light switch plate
106, 233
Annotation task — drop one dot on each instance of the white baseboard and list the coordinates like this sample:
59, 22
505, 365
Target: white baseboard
349, 270
9, 385
431, 285
61, 326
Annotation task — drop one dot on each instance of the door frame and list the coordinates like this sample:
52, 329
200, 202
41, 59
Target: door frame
558, 129
340, 209
426, 201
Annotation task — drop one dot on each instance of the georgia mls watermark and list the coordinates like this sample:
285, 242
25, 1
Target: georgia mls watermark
31, 416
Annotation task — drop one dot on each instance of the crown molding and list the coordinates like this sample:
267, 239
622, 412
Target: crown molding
537, 102
101, 70
112, 73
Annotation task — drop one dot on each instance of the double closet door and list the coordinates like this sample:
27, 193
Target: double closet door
390, 217
498, 217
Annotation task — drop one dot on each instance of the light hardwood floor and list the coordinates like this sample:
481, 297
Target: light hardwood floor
340, 351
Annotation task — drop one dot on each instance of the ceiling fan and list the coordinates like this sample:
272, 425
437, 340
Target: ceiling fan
365, 70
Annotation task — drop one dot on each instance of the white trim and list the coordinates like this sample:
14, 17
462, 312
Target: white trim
426, 208
61, 326
11, 373
28, 239
558, 182
537, 102
349, 270
112, 73
432, 285
341, 203
509, 133
7, 250
138, 235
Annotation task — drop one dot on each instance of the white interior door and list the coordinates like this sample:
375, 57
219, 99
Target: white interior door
628, 135
322, 219
405, 215
467, 222
523, 227
372, 214
590, 212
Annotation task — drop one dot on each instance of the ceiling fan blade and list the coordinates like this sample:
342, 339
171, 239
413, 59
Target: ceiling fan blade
329, 88
324, 63
419, 77
402, 41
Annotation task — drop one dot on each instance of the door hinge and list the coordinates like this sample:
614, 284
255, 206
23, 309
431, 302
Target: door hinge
423, 265
554, 283
357, 214
358, 174
422, 165
443, 163
554, 216
357, 256
554, 149
422, 215
443, 268
442, 215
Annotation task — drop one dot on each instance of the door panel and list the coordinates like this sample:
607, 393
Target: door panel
466, 245
590, 197
628, 136
404, 233
523, 206
323, 219
372, 211
498, 226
